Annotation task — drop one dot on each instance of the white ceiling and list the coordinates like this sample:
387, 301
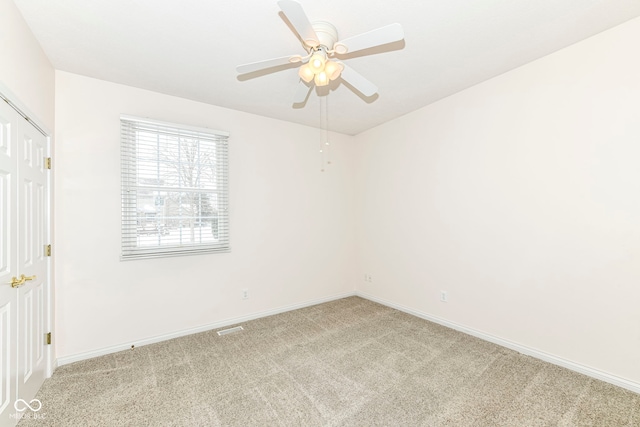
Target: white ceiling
189, 48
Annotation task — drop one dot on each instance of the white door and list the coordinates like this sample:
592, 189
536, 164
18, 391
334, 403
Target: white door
24, 266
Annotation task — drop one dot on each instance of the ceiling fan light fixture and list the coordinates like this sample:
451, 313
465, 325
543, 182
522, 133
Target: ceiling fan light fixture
333, 69
305, 73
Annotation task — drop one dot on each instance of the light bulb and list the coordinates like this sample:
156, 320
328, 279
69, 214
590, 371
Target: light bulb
305, 73
316, 63
333, 69
321, 79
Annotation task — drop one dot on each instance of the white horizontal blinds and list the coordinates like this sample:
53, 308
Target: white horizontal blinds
174, 189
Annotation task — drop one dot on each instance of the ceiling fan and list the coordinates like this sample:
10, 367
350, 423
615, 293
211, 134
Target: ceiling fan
320, 40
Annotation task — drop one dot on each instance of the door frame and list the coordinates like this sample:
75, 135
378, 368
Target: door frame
14, 102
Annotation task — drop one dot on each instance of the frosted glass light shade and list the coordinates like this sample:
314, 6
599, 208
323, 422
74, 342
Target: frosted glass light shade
333, 69
321, 79
305, 73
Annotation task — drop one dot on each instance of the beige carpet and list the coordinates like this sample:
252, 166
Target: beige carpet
349, 362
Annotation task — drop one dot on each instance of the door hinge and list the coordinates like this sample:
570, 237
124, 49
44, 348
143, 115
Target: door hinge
49, 338
47, 250
47, 162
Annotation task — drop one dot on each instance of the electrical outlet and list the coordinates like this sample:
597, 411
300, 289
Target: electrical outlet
245, 294
444, 297
368, 278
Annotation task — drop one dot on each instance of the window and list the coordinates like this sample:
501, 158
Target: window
174, 189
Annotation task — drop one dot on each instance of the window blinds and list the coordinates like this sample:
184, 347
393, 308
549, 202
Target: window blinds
175, 197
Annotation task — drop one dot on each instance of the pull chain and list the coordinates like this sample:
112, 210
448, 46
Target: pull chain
324, 133
321, 101
326, 121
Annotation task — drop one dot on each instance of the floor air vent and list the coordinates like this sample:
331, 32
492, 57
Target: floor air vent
230, 330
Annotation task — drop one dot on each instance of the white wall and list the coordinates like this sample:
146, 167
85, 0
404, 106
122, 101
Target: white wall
291, 225
521, 198
24, 68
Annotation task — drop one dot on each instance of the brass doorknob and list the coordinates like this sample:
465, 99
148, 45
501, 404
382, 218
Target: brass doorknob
16, 283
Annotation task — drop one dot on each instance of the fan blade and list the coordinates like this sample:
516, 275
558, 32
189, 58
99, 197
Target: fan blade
261, 65
389, 34
301, 93
358, 82
295, 14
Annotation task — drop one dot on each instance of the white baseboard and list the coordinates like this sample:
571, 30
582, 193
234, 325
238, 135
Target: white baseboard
591, 372
227, 322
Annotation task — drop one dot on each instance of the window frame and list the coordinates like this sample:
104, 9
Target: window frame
130, 186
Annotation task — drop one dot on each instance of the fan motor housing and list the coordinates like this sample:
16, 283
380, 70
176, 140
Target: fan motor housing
326, 32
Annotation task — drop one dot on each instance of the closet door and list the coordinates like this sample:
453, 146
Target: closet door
8, 261
32, 259
24, 266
